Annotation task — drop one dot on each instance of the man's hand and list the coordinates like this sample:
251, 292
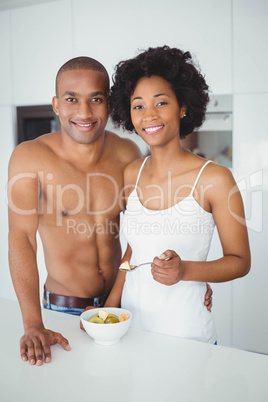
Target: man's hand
35, 345
208, 298
87, 308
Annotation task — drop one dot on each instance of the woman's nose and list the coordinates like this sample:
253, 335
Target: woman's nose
149, 114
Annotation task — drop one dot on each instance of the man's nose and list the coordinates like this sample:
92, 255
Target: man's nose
84, 110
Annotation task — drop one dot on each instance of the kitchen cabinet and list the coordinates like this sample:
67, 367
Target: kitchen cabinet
7, 143
6, 61
41, 42
203, 27
250, 297
249, 46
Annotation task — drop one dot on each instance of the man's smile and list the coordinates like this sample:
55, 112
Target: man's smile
83, 126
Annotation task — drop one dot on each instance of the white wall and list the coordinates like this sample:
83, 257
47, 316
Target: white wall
250, 62
7, 142
226, 37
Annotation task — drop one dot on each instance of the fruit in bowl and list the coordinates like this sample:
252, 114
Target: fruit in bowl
106, 326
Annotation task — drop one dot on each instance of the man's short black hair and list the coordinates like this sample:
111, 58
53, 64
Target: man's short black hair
83, 63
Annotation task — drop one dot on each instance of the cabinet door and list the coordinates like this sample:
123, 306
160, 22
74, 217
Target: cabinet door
222, 299
250, 43
6, 148
6, 68
250, 306
203, 27
41, 43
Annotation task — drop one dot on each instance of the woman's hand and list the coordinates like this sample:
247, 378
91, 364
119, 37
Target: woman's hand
168, 269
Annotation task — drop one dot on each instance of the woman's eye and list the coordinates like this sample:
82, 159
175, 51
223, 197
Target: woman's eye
161, 103
137, 107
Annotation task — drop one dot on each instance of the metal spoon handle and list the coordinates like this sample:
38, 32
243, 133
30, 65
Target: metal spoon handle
144, 263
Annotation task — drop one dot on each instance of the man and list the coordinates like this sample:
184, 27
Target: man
68, 186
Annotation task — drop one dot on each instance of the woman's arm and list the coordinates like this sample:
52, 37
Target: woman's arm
227, 208
114, 298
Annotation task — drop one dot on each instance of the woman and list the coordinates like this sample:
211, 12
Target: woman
174, 199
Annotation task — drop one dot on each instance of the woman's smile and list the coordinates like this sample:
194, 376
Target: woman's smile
153, 129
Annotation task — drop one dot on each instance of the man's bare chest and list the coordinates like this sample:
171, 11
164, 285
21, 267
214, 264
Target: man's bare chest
87, 196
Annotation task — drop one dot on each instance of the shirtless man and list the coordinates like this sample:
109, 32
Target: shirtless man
68, 186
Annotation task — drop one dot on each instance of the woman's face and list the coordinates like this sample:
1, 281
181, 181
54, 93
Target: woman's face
155, 111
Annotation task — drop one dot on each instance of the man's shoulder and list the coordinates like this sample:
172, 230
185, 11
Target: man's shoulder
29, 153
125, 148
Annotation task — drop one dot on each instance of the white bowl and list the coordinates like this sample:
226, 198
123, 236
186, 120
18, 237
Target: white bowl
106, 334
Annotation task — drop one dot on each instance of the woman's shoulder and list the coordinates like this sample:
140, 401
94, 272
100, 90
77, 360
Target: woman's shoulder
132, 170
218, 183
133, 167
217, 174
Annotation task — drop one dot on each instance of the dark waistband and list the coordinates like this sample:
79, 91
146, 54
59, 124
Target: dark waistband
74, 302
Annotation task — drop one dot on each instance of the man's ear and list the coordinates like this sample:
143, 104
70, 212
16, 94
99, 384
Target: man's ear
55, 105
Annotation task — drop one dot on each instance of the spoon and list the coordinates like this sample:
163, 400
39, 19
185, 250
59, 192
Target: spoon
134, 266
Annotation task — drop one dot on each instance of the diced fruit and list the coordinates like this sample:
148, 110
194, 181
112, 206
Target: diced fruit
103, 317
103, 314
125, 265
123, 317
111, 319
96, 320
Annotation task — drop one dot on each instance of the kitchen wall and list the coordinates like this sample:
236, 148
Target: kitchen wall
226, 37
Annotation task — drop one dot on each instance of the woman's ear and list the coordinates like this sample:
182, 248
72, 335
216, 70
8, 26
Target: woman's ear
183, 112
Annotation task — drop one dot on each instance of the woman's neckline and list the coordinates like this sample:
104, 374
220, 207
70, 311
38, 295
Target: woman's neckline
190, 196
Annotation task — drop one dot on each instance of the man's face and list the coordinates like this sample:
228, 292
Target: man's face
81, 104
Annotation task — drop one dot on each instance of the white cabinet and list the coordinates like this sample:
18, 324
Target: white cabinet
6, 66
250, 297
41, 43
250, 149
222, 299
6, 148
114, 31
250, 133
250, 35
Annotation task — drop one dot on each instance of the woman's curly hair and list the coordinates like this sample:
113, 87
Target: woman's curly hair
177, 68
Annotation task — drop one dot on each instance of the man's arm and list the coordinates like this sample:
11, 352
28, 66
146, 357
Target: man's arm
23, 197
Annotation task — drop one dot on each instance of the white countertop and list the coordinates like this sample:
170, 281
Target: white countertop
143, 366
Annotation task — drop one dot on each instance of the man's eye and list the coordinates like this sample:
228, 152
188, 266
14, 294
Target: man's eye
96, 100
70, 99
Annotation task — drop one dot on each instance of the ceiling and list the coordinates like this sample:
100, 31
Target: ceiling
9, 4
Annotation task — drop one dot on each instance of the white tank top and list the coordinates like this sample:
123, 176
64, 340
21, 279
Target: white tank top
187, 229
